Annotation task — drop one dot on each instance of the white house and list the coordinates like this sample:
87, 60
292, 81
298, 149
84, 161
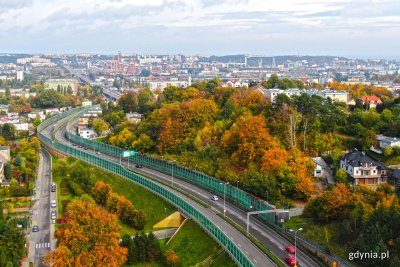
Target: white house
87, 103
86, 133
134, 117
362, 169
385, 141
21, 126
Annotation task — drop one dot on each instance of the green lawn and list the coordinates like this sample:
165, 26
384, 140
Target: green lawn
193, 245
154, 207
322, 235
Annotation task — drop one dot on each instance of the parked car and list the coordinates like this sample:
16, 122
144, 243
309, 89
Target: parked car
35, 228
214, 197
53, 204
53, 187
290, 249
53, 215
291, 261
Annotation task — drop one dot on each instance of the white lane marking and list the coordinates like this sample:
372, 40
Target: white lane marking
255, 260
246, 252
239, 245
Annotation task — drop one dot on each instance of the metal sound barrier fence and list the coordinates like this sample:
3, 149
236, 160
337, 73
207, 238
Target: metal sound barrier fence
161, 191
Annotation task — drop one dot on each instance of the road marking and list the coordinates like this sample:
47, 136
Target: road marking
246, 252
239, 245
255, 260
42, 245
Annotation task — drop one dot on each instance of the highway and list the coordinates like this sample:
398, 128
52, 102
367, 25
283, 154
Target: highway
254, 254
40, 242
262, 232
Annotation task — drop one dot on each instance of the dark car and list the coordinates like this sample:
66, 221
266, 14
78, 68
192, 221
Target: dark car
79, 146
53, 187
85, 148
139, 166
35, 228
73, 144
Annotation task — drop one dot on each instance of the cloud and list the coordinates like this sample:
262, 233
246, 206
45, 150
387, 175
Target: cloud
206, 26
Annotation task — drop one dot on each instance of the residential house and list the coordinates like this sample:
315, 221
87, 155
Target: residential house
396, 178
21, 126
2, 177
386, 141
86, 133
362, 169
370, 101
52, 111
87, 103
134, 117
4, 154
4, 108
322, 170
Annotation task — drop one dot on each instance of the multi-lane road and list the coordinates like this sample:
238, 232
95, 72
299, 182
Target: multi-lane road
254, 254
41, 241
263, 233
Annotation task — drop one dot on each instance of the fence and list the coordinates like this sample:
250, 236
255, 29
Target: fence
232, 194
161, 191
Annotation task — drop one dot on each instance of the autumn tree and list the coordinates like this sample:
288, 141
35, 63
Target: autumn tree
171, 258
88, 238
100, 192
99, 125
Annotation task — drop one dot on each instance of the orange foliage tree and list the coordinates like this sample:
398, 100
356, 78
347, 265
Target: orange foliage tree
90, 237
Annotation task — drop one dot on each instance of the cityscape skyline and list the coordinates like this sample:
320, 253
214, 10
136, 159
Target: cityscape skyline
354, 29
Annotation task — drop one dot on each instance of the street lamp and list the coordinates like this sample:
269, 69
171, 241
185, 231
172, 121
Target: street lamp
224, 195
295, 243
172, 176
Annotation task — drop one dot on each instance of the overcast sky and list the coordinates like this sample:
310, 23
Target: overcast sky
353, 28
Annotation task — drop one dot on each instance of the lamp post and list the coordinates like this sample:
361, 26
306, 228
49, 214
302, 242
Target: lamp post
224, 195
295, 243
172, 173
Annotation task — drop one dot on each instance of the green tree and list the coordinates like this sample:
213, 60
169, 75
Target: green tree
8, 171
99, 125
341, 176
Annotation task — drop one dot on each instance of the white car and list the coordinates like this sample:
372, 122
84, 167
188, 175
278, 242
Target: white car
214, 197
53, 204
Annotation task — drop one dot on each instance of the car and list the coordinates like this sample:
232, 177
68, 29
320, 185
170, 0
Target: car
79, 146
53, 204
290, 249
214, 197
53, 221
35, 228
291, 261
98, 153
85, 148
53, 187
53, 215
139, 166
73, 144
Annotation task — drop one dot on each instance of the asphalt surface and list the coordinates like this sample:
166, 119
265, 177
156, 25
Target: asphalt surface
254, 254
271, 239
40, 242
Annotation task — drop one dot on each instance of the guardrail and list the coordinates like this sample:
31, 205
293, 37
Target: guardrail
233, 194
181, 204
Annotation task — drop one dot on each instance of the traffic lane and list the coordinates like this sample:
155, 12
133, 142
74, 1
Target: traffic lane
43, 236
252, 252
271, 240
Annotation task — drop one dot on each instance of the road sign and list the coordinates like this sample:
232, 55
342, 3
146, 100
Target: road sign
128, 153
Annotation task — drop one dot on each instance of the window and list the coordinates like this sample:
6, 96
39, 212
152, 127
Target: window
356, 172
